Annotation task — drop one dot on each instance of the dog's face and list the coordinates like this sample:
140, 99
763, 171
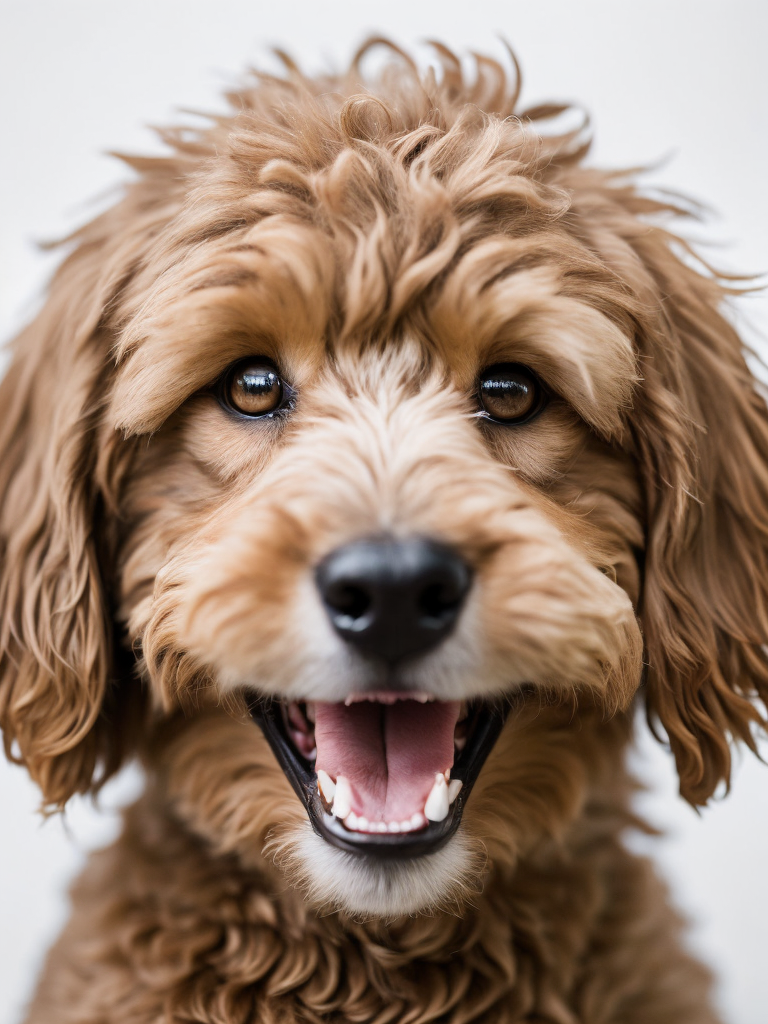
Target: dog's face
384, 535
389, 437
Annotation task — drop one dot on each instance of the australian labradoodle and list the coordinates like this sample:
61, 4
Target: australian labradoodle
370, 459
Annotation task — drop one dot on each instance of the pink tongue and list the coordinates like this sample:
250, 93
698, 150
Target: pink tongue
390, 753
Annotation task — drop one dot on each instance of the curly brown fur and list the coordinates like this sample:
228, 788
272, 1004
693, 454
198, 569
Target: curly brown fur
382, 242
577, 929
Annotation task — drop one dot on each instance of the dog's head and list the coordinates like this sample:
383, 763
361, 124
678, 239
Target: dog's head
378, 417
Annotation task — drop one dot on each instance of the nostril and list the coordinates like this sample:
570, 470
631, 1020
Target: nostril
440, 601
348, 601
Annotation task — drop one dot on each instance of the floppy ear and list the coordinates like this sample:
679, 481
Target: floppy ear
700, 428
64, 710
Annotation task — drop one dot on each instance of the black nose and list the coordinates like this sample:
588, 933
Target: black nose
393, 599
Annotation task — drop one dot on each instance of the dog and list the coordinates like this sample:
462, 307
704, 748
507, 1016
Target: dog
371, 461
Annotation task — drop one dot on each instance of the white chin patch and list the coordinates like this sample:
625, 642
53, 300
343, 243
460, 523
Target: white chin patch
368, 887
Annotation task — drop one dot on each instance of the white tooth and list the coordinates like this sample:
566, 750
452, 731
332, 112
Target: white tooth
417, 820
362, 823
459, 742
454, 788
349, 700
406, 826
394, 826
326, 785
312, 755
381, 826
310, 710
352, 820
342, 800
436, 807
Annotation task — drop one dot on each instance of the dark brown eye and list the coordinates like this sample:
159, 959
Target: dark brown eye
511, 393
253, 387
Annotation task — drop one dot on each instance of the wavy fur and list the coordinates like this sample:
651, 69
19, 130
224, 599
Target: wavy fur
382, 240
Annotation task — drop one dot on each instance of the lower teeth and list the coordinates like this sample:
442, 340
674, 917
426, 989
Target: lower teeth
338, 796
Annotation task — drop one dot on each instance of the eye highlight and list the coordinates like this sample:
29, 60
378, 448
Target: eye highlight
510, 393
254, 388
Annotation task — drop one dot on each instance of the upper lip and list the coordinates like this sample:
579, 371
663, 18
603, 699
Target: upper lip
486, 719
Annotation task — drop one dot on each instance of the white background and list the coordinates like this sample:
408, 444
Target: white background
683, 80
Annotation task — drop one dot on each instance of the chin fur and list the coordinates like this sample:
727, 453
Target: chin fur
366, 887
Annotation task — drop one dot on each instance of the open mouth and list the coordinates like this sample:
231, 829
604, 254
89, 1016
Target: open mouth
384, 774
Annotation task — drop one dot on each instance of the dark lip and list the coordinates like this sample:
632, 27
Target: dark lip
487, 720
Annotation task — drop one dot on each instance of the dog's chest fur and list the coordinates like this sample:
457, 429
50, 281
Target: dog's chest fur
166, 928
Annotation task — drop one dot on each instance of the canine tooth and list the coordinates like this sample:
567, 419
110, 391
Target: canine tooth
326, 785
436, 807
454, 788
342, 800
352, 820
394, 826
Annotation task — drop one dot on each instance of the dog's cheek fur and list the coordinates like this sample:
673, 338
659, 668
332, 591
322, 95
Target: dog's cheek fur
604, 516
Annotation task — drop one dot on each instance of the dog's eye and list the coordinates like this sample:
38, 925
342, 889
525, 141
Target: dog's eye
253, 387
511, 393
